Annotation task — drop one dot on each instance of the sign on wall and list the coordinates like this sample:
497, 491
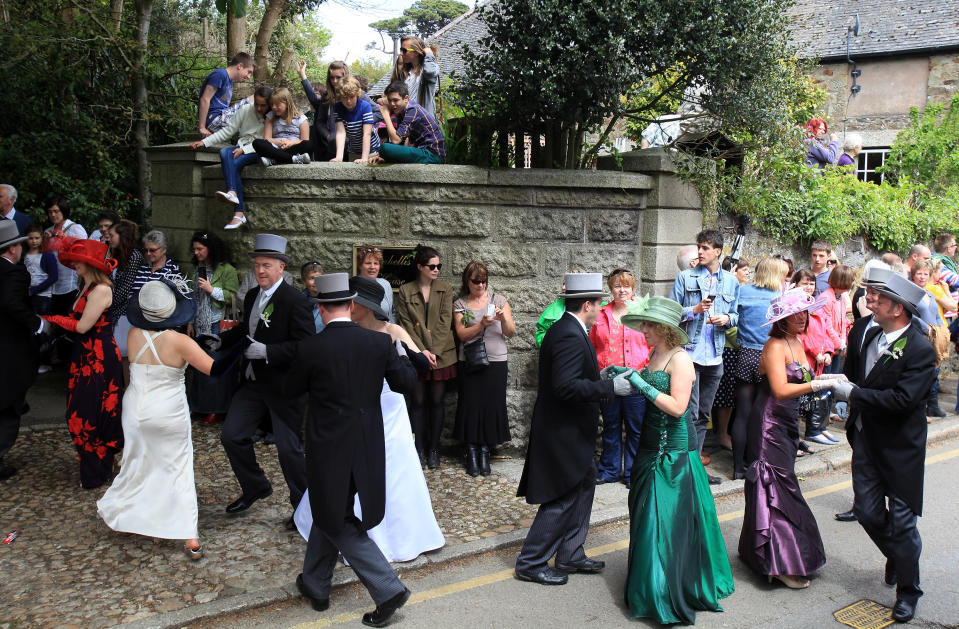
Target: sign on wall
397, 265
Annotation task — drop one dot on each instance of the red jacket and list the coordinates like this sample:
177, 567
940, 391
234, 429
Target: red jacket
834, 314
636, 351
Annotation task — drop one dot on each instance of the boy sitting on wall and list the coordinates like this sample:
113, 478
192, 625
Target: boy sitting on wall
217, 91
417, 139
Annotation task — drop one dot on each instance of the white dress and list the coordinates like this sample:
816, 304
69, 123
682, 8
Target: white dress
154, 493
409, 526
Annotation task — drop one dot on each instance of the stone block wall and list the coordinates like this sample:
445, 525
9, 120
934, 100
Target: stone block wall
529, 226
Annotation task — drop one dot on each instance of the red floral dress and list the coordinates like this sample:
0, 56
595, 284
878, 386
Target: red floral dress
94, 391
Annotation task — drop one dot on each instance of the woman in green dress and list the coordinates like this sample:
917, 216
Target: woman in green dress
677, 557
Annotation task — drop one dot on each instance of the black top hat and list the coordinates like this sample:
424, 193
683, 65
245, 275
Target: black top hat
369, 294
270, 246
161, 304
333, 287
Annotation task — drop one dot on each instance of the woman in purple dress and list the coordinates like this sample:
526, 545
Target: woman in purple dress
780, 538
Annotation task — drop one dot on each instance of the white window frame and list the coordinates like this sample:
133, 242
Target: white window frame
863, 173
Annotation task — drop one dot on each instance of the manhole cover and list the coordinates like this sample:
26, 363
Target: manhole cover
865, 614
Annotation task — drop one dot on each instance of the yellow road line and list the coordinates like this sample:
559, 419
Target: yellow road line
596, 551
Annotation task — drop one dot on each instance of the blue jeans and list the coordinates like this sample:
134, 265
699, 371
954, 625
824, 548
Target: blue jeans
231, 170
701, 398
630, 411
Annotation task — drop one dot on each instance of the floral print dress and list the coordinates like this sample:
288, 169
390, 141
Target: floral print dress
94, 390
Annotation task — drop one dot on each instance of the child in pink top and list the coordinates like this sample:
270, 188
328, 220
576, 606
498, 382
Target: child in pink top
819, 345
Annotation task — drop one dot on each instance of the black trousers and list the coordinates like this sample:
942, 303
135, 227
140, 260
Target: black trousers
893, 528
265, 148
250, 402
560, 528
9, 428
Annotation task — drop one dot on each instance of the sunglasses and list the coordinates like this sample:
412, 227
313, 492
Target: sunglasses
408, 50
370, 250
832, 262
620, 272
478, 282
433, 267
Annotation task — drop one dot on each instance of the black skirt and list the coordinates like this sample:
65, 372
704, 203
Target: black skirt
725, 394
747, 365
481, 417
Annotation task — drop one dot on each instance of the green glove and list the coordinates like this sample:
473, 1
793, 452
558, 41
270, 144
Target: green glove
644, 387
615, 370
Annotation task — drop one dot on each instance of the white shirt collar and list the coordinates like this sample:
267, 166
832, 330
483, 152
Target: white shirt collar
269, 292
13, 212
339, 320
892, 337
580, 322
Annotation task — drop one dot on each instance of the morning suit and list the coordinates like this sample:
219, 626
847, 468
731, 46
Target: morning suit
559, 473
18, 327
261, 390
342, 369
888, 419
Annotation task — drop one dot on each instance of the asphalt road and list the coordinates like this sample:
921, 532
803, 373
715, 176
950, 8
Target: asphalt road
481, 592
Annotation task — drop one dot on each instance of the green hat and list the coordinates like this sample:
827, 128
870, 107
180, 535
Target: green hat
657, 310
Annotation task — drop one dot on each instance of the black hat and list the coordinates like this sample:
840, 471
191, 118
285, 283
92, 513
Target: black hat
333, 287
369, 294
162, 304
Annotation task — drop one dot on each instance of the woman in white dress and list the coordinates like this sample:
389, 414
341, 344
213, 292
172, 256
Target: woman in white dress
409, 526
154, 493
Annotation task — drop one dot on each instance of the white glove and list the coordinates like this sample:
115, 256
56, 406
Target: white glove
842, 390
400, 349
45, 327
622, 386
819, 385
841, 377
604, 373
256, 351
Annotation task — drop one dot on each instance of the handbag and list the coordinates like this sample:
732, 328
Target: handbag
474, 354
939, 336
230, 318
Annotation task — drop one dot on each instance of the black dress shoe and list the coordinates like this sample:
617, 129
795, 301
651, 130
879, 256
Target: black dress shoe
245, 502
433, 459
889, 575
846, 516
484, 467
543, 576
290, 525
380, 616
7, 471
586, 566
713, 480
472, 460
319, 604
903, 611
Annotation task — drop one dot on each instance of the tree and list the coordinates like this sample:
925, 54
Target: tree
561, 69
422, 19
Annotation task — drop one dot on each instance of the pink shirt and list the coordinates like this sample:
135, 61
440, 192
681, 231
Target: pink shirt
834, 315
817, 339
616, 344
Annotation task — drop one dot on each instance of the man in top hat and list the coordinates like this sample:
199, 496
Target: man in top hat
890, 375
18, 326
559, 474
342, 368
277, 316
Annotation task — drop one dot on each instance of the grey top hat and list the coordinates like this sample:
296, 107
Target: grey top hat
270, 246
333, 287
9, 233
877, 272
902, 291
583, 286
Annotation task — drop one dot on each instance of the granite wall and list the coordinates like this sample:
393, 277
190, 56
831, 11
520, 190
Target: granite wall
529, 226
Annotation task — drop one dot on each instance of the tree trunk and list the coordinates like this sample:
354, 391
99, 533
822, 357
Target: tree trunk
502, 148
282, 66
535, 150
141, 125
235, 32
519, 149
116, 13
271, 18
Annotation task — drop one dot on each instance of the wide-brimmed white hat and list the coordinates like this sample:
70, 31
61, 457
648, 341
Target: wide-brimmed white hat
162, 304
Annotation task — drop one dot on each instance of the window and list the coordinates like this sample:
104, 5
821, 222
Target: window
867, 163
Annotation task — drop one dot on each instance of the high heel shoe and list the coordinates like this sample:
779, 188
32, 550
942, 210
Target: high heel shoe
794, 583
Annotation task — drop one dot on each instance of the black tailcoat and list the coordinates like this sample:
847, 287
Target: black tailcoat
18, 327
890, 404
563, 432
290, 322
343, 368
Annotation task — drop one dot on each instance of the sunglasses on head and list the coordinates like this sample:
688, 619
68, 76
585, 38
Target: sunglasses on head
621, 272
433, 267
832, 262
370, 250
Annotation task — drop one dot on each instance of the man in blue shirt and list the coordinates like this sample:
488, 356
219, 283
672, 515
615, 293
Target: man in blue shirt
417, 138
819, 252
217, 91
709, 297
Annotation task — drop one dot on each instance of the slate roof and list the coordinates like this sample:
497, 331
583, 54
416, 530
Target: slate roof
889, 27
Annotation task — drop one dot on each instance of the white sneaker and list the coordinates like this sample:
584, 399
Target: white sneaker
236, 222
267, 161
229, 197
44, 369
302, 158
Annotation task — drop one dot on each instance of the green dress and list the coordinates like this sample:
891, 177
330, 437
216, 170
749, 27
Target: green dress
677, 557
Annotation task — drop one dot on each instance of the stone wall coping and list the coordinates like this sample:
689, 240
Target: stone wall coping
442, 174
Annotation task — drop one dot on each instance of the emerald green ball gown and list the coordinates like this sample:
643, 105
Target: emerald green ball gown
677, 558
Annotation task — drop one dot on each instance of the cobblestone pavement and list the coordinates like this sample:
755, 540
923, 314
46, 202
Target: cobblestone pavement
67, 568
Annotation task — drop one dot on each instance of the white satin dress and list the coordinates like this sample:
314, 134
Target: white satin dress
409, 526
154, 494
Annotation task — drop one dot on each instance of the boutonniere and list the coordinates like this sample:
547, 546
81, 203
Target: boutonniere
894, 352
267, 312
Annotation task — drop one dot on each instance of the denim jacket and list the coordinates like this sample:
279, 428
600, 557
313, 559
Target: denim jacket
753, 305
688, 292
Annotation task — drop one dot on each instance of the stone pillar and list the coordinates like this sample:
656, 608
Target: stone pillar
672, 218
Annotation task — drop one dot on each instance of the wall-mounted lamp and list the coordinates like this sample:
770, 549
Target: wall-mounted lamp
853, 31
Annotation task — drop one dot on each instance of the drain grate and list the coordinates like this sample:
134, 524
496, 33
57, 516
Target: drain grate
865, 614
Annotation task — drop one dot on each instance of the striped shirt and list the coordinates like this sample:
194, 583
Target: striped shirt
146, 273
422, 130
353, 121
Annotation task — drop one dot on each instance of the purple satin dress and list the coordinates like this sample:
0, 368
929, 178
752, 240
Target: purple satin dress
779, 533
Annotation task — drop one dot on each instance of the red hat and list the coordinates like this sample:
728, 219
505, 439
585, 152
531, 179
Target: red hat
92, 252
